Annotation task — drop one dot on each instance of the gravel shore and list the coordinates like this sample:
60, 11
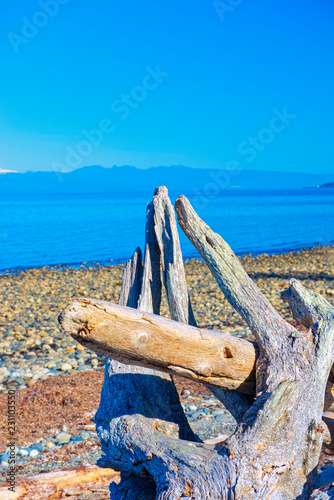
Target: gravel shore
33, 348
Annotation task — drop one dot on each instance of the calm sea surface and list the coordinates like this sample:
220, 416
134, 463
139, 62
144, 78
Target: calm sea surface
38, 230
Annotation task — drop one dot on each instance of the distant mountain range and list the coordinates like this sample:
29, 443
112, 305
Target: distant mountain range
317, 186
181, 179
328, 185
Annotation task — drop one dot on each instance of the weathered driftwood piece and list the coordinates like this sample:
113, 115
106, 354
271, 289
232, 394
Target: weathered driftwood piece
328, 425
156, 396
329, 397
59, 484
131, 390
150, 292
213, 358
268, 327
171, 258
274, 452
174, 279
134, 337
176, 287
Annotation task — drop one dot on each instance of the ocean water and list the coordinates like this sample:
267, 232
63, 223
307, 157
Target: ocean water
39, 230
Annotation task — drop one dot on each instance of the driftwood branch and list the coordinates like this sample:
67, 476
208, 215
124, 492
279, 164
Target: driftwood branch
238, 288
307, 307
174, 279
268, 327
134, 337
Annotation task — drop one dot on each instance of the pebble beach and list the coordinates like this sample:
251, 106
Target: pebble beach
34, 349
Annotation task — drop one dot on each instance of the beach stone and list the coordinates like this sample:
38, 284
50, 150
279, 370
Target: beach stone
23, 452
30, 355
195, 414
19, 329
76, 439
84, 367
33, 453
84, 434
185, 392
37, 446
63, 436
62, 441
192, 407
220, 418
50, 445
65, 367
220, 411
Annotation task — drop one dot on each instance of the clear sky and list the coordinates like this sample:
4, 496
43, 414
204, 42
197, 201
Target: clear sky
192, 82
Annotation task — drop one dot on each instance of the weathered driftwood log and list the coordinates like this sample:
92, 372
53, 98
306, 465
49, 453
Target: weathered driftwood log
59, 484
134, 337
275, 450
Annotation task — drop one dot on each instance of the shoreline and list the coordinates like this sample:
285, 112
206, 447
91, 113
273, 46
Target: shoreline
116, 262
32, 346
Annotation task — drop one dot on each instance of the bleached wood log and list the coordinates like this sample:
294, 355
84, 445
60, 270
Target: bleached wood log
306, 309
57, 484
156, 342
134, 337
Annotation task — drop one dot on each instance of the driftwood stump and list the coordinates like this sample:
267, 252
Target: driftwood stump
275, 388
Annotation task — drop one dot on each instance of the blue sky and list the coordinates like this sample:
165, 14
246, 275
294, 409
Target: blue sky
161, 83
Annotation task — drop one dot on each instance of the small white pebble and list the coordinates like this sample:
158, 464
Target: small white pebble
23, 453
65, 367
